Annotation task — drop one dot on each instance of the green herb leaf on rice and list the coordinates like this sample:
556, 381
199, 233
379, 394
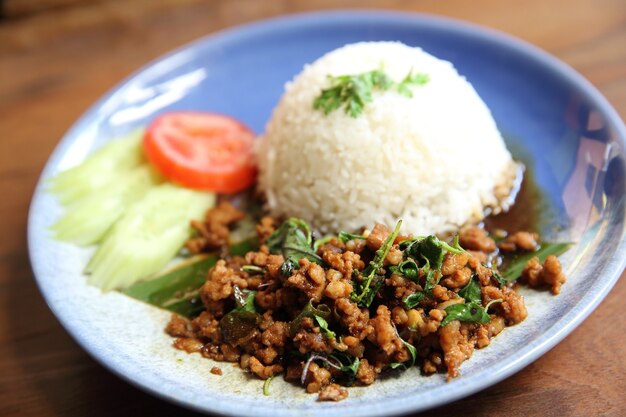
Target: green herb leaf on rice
354, 91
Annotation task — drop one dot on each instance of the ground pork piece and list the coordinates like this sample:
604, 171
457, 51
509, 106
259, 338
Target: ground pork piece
310, 339
441, 293
490, 293
496, 325
550, 273
377, 236
385, 334
356, 245
262, 371
345, 262
480, 257
353, 318
269, 299
487, 331
256, 258
426, 324
531, 273
482, 336
457, 279
273, 265
337, 286
231, 353
275, 335
206, 326
455, 346
333, 245
316, 377
216, 371
476, 238
453, 262
553, 274
433, 363
520, 241
179, 327
366, 373
399, 316
267, 355
211, 351
333, 392
213, 232
402, 286
310, 279
265, 228
354, 346
220, 282
484, 274
188, 344
394, 257
294, 372
513, 307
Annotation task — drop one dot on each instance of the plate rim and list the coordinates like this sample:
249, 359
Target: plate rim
531, 352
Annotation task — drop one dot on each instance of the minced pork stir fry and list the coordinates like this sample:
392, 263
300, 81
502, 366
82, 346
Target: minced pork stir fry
342, 310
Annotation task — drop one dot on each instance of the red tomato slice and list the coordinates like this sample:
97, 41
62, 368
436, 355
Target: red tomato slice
202, 150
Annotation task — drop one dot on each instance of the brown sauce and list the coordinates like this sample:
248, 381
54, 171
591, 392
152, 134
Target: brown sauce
525, 214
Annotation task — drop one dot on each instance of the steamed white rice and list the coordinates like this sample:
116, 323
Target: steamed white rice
434, 160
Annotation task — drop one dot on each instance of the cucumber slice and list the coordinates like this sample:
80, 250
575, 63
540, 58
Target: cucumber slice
147, 236
87, 220
108, 165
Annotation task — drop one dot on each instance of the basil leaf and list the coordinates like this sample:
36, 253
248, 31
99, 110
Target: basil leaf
321, 321
349, 365
513, 268
471, 312
294, 241
375, 286
239, 323
322, 310
498, 277
345, 237
244, 300
322, 241
365, 292
408, 269
431, 249
413, 299
409, 363
471, 292
253, 269
177, 289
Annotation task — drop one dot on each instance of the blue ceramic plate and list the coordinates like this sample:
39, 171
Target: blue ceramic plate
552, 116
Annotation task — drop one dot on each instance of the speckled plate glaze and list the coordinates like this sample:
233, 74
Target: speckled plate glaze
571, 135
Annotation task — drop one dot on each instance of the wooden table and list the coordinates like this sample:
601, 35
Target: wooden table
55, 60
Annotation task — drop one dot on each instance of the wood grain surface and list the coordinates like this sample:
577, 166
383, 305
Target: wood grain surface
57, 57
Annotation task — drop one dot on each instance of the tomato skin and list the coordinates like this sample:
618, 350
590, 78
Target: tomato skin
202, 150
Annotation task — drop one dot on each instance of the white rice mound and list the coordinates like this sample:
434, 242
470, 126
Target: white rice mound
436, 160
